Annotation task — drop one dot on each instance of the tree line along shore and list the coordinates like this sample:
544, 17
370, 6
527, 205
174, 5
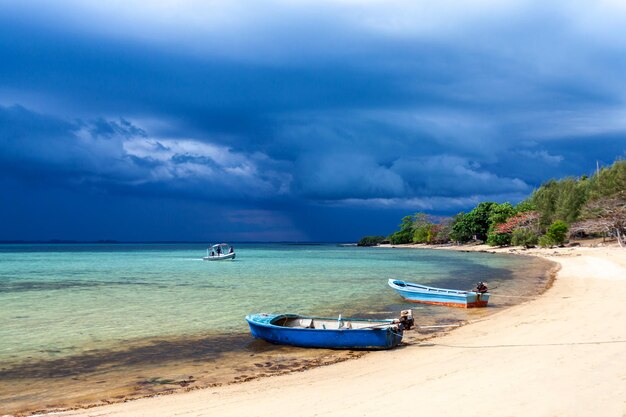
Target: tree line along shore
586, 206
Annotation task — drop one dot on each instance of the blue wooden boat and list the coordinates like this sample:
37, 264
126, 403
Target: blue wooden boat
330, 333
417, 293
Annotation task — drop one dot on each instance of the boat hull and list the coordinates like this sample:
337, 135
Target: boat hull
386, 336
438, 296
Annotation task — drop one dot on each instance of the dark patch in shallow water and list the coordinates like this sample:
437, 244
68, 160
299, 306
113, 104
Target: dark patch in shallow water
203, 349
23, 286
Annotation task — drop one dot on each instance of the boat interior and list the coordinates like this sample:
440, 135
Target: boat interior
424, 288
326, 323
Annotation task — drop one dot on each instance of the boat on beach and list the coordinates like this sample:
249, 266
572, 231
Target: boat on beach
330, 333
417, 293
220, 252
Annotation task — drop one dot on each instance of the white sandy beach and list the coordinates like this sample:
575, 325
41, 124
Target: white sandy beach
562, 354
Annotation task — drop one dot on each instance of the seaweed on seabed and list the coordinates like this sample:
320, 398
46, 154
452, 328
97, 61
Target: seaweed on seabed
157, 381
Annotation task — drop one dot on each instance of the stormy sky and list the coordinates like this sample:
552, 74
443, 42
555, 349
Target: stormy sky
294, 120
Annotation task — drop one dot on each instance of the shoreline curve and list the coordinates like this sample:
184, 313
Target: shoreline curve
562, 353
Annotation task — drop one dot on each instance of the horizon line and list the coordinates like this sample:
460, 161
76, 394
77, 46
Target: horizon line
113, 241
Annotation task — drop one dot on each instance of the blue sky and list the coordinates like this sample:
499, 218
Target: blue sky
295, 120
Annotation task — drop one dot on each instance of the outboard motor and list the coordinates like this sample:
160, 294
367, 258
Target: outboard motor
481, 288
406, 320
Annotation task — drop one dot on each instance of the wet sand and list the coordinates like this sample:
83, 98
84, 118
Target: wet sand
158, 368
563, 353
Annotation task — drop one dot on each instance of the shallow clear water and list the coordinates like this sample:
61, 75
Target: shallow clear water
68, 301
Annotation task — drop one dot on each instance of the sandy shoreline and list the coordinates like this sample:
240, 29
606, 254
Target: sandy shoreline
562, 354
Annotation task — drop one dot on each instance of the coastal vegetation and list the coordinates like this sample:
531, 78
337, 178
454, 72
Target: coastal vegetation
371, 240
557, 210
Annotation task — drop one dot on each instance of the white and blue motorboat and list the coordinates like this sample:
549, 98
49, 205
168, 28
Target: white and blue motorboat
220, 252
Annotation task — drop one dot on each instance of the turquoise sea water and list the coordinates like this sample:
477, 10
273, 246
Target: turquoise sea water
67, 299
85, 323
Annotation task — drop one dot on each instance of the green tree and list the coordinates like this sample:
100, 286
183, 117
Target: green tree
524, 237
571, 197
405, 234
499, 239
474, 224
371, 240
422, 225
423, 234
559, 200
460, 229
608, 181
500, 213
478, 223
524, 206
544, 198
422, 228
557, 232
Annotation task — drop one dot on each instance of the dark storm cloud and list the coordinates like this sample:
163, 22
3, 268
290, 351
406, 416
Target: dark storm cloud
107, 129
310, 107
119, 158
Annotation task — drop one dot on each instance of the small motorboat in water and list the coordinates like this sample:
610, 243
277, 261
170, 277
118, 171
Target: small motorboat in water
219, 252
417, 293
330, 333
